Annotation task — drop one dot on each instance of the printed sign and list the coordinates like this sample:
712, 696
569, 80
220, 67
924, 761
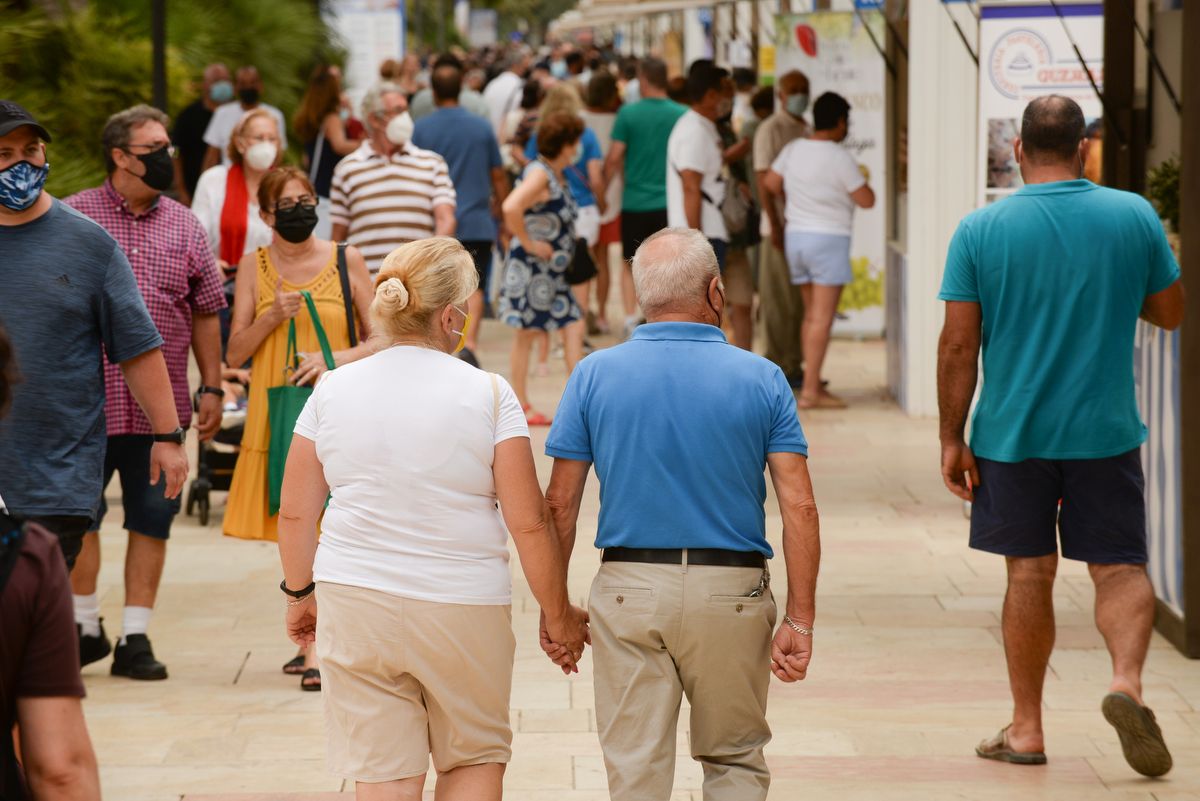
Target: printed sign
372, 31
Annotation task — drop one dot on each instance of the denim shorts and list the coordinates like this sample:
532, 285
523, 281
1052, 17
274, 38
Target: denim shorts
146, 510
822, 259
1102, 519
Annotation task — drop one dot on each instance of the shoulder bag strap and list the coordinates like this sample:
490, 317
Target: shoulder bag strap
347, 295
316, 159
495, 400
703, 195
326, 351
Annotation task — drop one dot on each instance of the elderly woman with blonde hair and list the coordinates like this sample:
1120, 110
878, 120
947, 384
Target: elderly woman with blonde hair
413, 449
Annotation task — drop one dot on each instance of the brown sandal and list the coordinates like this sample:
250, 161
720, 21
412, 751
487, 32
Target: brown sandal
998, 749
1141, 738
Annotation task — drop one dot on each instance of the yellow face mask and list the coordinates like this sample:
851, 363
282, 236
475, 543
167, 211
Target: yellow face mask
462, 335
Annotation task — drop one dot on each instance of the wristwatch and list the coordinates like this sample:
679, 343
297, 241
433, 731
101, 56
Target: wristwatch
178, 436
205, 390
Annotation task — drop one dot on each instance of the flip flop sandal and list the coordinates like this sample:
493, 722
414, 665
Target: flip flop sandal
998, 749
1141, 738
306, 681
294, 666
537, 418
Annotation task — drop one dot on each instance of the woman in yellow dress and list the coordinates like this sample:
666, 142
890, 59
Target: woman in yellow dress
266, 297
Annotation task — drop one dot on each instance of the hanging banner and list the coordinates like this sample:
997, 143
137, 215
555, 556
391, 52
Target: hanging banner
1025, 52
835, 51
372, 32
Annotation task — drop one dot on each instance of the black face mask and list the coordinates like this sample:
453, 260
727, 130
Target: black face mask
297, 223
249, 97
160, 169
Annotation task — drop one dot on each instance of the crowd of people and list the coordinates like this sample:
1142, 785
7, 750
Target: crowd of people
308, 288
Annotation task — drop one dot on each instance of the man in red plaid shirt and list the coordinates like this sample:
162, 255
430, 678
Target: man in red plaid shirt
179, 281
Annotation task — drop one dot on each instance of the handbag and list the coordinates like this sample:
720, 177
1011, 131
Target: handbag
735, 209
284, 404
582, 267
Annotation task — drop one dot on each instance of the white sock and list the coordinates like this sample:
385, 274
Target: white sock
87, 613
136, 621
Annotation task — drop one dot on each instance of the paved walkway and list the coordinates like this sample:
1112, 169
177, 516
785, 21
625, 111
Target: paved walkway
907, 674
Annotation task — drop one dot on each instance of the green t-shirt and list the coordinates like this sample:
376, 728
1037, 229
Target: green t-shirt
644, 128
1060, 271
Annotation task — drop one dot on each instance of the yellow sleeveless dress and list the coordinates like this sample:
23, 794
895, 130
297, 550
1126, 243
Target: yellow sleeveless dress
246, 511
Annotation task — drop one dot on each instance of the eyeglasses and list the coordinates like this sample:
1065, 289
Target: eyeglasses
288, 203
154, 148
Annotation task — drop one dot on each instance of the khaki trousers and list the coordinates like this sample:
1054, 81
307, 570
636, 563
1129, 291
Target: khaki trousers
782, 309
663, 631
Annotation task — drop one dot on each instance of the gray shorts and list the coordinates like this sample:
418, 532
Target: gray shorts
822, 259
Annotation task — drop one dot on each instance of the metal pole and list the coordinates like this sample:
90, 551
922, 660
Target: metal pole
158, 32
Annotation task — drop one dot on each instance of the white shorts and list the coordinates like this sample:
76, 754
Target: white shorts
587, 224
822, 259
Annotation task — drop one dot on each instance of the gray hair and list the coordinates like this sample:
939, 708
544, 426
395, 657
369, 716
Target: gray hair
672, 270
372, 102
119, 129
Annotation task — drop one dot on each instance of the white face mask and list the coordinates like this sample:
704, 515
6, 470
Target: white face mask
400, 129
261, 155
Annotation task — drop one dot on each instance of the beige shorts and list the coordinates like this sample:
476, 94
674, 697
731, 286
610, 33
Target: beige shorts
739, 282
406, 679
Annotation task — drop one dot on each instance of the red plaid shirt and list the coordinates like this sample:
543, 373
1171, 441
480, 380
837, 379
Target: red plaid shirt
178, 276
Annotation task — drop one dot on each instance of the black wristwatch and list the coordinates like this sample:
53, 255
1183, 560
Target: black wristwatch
297, 593
178, 437
205, 390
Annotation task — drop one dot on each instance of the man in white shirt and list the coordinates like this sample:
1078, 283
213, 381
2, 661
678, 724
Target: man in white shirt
503, 94
695, 188
821, 184
248, 85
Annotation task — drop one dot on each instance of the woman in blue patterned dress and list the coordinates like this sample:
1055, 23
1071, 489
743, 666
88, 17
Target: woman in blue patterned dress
540, 214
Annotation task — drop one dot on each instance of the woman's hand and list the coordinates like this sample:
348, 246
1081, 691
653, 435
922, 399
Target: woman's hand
563, 639
312, 366
302, 621
540, 250
287, 304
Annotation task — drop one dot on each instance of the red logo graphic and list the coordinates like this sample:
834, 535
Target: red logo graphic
806, 37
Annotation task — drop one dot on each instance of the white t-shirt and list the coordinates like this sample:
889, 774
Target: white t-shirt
503, 95
406, 438
207, 203
695, 144
602, 124
225, 119
818, 177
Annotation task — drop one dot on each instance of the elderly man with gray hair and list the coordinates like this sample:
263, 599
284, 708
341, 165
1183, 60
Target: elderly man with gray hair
680, 426
389, 191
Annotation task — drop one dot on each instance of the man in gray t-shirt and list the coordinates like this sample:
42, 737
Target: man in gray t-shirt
69, 298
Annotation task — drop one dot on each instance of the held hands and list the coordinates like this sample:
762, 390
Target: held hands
287, 304
170, 461
959, 470
790, 654
302, 621
563, 640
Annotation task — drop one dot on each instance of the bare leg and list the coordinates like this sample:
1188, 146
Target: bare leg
475, 308
87, 565
1125, 616
399, 790
573, 344
1028, 625
600, 255
143, 569
743, 327
519, 364
543, 347
471, 783
820, 304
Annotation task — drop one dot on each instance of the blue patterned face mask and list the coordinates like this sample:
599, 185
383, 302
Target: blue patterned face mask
21, 184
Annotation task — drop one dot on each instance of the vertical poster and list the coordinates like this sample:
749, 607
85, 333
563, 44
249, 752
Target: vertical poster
372, 32
835, 51
1025, 52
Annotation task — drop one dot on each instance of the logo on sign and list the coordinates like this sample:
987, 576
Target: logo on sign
1016, 61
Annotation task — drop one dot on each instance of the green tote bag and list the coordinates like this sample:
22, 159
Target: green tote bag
284, 404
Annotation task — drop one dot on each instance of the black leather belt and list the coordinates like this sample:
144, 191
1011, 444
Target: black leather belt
710, 557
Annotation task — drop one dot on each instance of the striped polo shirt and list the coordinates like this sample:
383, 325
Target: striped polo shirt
387, 201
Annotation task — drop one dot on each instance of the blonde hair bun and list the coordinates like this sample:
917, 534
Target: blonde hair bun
394, 293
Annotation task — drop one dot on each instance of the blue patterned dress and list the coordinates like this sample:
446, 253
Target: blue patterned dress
535, 292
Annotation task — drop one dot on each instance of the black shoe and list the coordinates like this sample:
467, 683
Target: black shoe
92, 648
135, 659
467, 356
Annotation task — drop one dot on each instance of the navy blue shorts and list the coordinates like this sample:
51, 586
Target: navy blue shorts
146, 510
1102, 520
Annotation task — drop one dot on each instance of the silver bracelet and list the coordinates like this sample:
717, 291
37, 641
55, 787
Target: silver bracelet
796, 627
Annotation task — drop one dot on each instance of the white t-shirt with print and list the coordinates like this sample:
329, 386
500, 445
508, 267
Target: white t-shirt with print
818, 177
695, 144
406, 438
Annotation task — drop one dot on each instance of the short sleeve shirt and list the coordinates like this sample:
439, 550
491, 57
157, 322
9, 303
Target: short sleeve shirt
577, 173
644, 127
70, 299
469, 147
1061, 271
692, 475
818, 177
695, 145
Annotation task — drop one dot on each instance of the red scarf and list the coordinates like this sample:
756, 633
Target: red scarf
234, 217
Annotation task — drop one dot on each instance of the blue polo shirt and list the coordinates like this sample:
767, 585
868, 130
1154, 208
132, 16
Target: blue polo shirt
678, 423
1060, 271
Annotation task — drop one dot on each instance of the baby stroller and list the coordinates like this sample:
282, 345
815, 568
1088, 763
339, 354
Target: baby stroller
215, 462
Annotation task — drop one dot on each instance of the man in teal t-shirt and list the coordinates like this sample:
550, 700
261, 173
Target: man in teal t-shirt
639, 147
1052, 281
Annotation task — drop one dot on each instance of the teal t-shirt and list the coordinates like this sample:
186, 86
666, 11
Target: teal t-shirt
644, 128
1061, 271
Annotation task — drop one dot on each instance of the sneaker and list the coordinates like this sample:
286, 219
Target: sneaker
135, 659
468, 356
92, 648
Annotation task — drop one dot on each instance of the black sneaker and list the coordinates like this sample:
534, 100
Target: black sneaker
92, 648
135, 659
467, 356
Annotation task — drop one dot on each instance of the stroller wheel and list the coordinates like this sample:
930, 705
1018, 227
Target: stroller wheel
191, 499
203, 503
